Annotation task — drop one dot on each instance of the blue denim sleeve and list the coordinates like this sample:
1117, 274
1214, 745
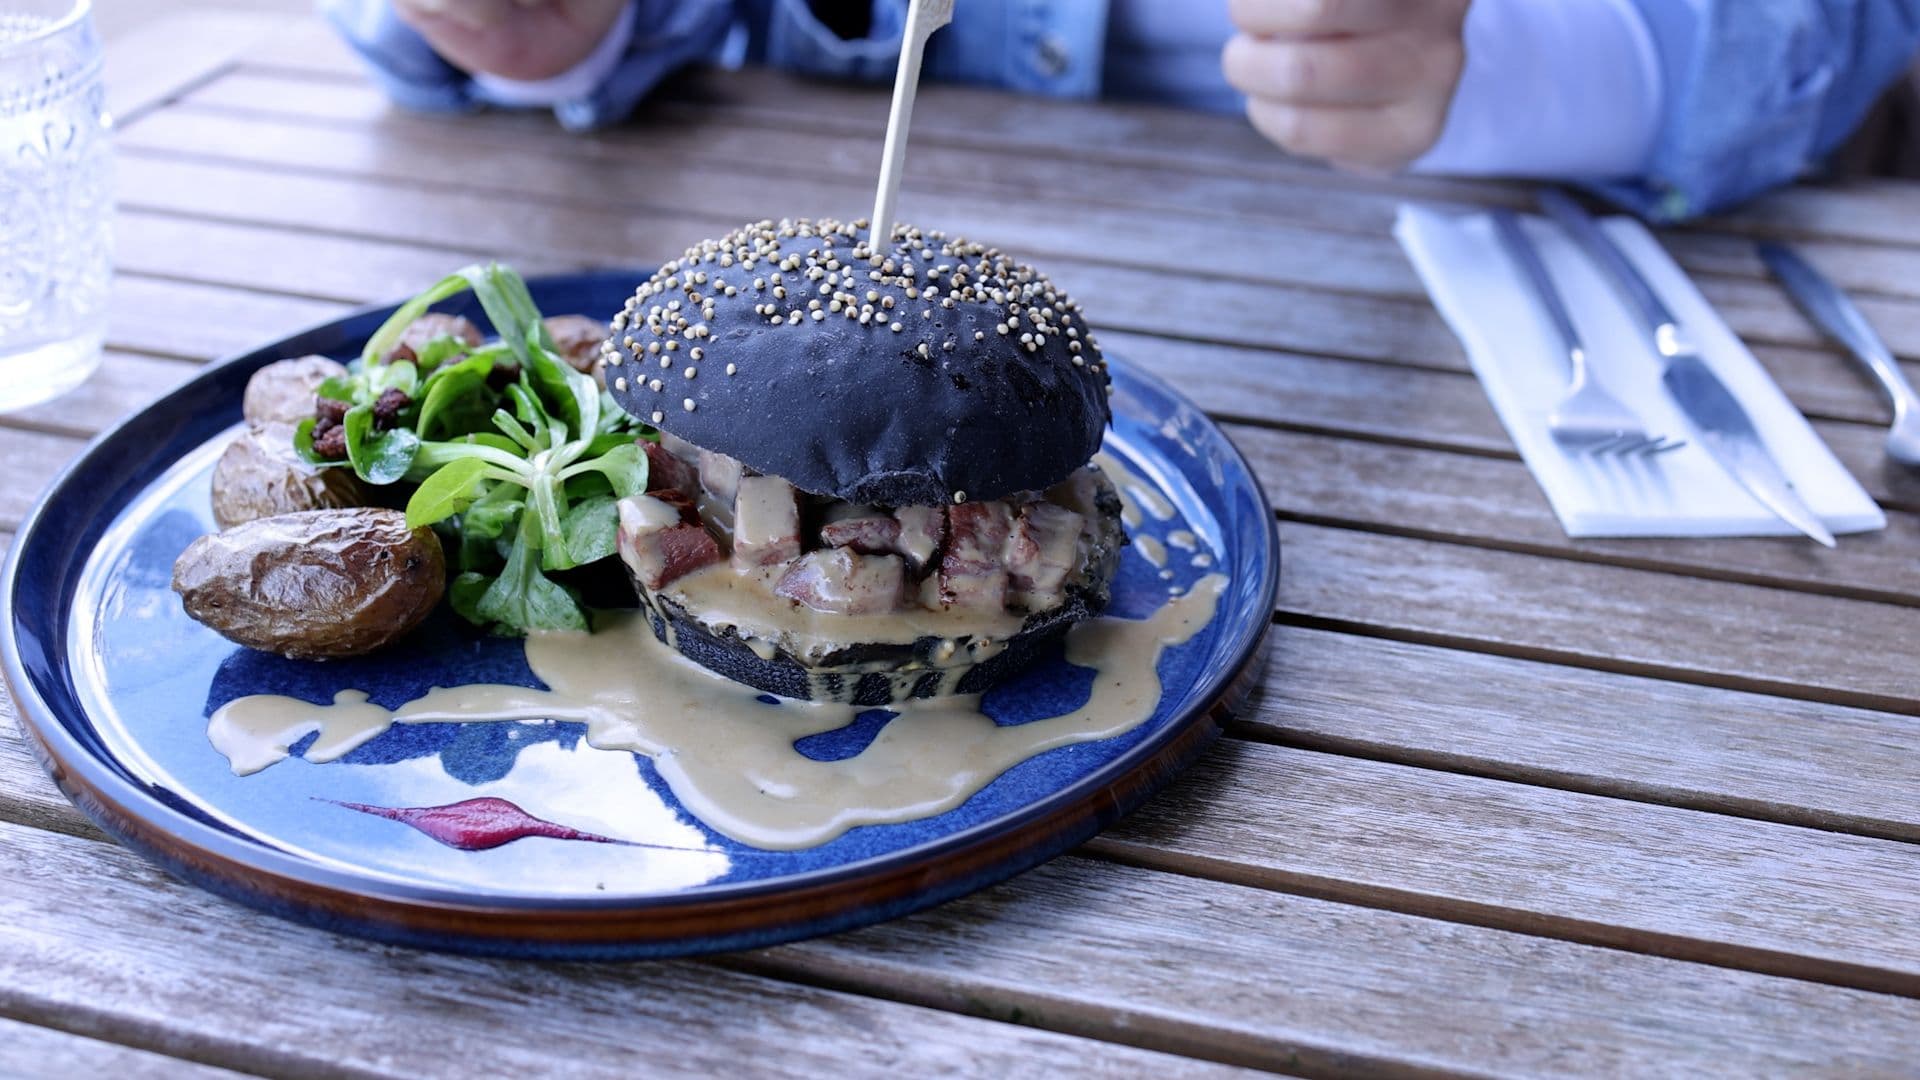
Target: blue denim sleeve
1757, 91
667, 34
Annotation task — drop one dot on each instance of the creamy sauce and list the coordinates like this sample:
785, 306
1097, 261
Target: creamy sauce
728, 756
1136, 494
1151, 549
746, 601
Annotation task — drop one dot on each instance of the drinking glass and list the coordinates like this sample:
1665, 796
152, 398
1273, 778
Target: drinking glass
56, 183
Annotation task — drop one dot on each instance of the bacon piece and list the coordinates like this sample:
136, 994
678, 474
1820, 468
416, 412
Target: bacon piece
1042, 549
766, 523
841, 582
658, 542
973, 575
720, 475
667, 472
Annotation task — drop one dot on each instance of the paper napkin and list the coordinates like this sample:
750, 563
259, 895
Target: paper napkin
1520, 362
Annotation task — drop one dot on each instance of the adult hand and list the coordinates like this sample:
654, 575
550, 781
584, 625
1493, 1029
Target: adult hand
1364, 84
526, 40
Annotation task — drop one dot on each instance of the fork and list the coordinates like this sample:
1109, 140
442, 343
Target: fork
1587, 419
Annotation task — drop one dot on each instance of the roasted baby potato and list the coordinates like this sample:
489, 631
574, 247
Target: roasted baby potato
315, 585
283, 390
261, 475
423, 330
578, 338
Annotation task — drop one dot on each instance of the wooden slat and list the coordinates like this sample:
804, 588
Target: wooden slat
27, 1051
33, 458
1055, 221
1712, 632
692, 132
1266, 970
1650, 740
1390, 329
162, 965
124, 384
146, 68
1494, 501
1196, 967
174, 318
326, 267
1773, 898
1872, 211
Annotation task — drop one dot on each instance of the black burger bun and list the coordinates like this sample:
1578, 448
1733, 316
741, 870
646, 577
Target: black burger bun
935, 371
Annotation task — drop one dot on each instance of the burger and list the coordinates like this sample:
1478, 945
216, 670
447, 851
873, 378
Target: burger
873, 477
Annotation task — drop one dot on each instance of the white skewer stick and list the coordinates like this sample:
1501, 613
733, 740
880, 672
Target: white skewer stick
923, 18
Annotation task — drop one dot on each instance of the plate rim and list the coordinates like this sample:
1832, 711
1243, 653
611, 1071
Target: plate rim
707, 918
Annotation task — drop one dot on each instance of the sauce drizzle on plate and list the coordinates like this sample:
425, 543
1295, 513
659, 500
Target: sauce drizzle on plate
728, 754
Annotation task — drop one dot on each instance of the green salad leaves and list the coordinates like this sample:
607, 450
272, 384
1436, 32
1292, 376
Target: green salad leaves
520, 475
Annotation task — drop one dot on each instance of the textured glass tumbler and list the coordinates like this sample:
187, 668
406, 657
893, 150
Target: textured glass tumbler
56, 199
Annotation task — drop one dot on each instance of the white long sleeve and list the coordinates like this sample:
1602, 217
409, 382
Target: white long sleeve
1566, 89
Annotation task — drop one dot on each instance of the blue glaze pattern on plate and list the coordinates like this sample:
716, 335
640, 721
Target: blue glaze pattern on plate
116, 683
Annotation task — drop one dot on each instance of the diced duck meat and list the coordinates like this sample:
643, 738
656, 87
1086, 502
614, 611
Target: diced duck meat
667, 472
843, 582
659, 544
720, 475
973, 575
766, 523
680, 447
872, 533
922, 530
1041, 551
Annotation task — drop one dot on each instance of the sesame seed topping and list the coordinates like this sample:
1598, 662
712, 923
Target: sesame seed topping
658, 416
731, 369
896, 328
696, 353
687, 404
689, 372
959, 497
620, 384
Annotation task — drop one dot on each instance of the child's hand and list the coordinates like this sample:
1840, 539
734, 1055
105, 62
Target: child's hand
526, 40
1364, 84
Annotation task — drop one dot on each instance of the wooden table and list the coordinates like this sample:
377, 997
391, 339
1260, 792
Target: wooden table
1506, 803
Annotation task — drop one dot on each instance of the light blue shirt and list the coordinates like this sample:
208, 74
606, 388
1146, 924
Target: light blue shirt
1672, 108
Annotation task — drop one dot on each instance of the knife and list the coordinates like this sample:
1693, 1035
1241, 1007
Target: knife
1830, 309
1726, 430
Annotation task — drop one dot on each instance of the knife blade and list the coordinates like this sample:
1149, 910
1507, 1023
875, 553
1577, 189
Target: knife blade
1725, 429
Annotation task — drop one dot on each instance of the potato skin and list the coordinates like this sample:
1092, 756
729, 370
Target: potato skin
261, 475
283, 390
315, 585
578, 337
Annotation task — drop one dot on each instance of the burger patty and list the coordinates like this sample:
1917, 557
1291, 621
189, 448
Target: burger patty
812, 597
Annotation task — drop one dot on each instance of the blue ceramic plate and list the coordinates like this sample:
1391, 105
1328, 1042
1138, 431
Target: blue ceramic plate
115, 683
